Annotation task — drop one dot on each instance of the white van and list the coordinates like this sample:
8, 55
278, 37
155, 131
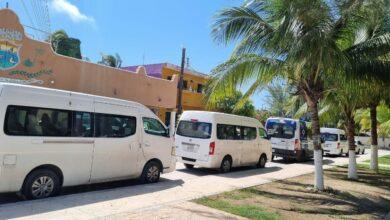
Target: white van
289, 138
218, 140
334, 141
52, 138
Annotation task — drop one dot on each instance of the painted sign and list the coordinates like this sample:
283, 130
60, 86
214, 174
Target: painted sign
10, 43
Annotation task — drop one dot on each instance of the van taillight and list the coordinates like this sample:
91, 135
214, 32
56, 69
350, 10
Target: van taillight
338, 145
212, 148
297, 145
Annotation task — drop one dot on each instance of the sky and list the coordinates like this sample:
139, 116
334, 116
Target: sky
141, 32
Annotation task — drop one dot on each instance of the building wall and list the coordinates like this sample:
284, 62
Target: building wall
34, 62
192, 97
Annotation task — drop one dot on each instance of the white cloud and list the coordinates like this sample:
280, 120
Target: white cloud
65, 7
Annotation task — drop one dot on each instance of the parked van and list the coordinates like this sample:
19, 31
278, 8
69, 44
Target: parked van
289, 139
222, 141
52, 138
334, 141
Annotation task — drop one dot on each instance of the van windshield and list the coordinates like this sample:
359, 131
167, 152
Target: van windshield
329, 137
281, 129
194, 129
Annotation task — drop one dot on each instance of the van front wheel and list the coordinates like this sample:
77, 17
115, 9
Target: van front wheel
40, 184
151, 173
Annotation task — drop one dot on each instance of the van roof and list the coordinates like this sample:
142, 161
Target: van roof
332, 130
209, 115
11, 86
281, 118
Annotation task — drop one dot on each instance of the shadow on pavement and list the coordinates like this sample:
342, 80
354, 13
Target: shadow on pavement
237, 172
79, 196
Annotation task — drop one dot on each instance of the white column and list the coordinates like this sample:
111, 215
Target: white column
352, 171
319, 173
172, 124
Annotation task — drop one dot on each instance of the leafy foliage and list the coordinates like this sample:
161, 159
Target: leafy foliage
227, 105
64, 45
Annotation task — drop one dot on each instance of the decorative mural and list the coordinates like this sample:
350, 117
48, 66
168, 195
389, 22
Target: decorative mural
10, 44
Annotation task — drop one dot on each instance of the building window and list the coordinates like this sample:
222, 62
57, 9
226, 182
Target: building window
185, 84
200, 88
169, 77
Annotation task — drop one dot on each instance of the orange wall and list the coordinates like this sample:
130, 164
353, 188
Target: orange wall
40, 66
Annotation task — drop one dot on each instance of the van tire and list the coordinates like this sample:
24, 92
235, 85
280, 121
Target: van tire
189, 166
226, 165
151, 172
302, 156
262, 161
45, 178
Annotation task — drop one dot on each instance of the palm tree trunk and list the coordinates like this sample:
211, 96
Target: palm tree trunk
374, 139
352, 171
315, 123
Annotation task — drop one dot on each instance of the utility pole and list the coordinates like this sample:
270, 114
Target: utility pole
180, 86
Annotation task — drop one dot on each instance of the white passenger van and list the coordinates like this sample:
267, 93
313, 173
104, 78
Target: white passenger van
222, 141
289, 138
334, 141
52, 138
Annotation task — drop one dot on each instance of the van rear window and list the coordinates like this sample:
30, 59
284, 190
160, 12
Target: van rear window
329, 137
194, 129
279, 129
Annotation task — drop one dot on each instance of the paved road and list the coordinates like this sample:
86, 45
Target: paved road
121, 198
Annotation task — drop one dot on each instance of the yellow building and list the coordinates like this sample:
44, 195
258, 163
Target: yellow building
193, 83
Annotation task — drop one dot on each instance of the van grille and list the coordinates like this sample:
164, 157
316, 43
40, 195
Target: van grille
188, 159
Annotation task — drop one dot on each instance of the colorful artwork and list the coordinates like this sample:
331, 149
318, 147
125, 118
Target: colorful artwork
30, 75
10, 44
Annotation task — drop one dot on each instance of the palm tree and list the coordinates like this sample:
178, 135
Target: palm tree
374, 94
301, 41
111, 60
56, 37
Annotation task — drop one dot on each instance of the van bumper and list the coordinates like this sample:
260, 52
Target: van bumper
332, 151
206, 164
294, 154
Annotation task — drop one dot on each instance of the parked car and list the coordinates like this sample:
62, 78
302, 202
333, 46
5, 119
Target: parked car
335, 141
220, 141
53, 138
289, 139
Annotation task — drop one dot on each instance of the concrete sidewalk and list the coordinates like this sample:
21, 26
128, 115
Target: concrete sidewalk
120, 202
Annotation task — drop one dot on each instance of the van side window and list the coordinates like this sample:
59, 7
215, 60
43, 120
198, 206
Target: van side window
263, 133
154, 127
114, 126
30, 121
225, 132
82, 124
249, 133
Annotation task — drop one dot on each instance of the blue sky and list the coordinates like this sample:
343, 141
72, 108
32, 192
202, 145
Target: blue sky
146, 30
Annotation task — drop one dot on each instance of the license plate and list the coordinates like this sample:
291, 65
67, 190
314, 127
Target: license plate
190, 148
